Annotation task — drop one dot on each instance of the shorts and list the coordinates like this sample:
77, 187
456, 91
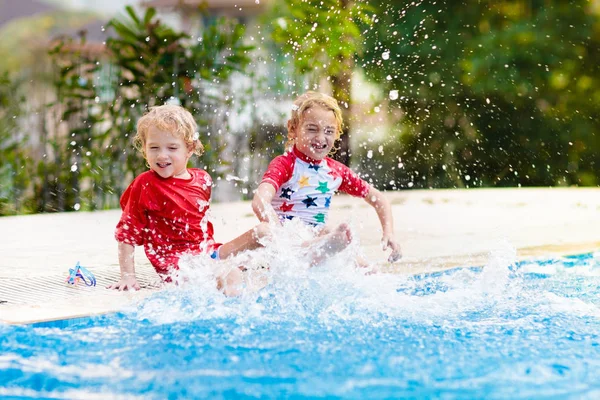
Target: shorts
215, 253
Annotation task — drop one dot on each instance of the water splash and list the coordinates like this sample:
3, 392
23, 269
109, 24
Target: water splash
506, 328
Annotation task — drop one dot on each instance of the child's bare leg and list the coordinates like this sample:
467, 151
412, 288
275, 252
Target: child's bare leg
230, 282
329, 244
361, 262
233, 281
249, 240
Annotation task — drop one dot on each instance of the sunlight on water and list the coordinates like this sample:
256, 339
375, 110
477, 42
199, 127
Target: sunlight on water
507, 329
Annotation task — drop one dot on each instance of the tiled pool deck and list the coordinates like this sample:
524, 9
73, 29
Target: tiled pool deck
437, 229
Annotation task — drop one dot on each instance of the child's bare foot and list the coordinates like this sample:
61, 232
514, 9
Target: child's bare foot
332, 243
339, 239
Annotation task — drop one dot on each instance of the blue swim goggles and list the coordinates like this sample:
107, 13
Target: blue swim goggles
80, 273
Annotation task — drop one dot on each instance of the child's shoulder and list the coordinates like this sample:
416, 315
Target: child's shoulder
334, 164
288, 155
144, 177
200, 174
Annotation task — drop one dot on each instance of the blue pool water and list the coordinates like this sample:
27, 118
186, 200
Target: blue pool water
507, 330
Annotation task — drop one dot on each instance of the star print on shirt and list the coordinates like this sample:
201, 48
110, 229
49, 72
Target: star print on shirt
303, 181
320, 217
333, 173
285, 207
322, 187
287, 193
310, 201
314, 166
327, 201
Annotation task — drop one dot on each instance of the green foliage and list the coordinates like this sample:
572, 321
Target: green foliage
146, 53
323, 38
156, 64
14, 171
219, 52
319, 35
60, 187
88, 156
496, 93
500, 96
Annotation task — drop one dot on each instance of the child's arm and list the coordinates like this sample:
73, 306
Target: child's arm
126, 263
261, 203
384, 211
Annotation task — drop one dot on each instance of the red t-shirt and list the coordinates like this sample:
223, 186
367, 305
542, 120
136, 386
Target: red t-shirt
168, 217
304, 187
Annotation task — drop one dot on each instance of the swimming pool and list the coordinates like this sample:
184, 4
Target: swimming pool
507, 330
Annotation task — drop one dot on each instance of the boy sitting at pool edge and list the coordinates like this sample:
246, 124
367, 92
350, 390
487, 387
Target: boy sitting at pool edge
164, 208
301, 183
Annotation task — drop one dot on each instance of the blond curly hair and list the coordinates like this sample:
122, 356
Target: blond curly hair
171, 118
306, 101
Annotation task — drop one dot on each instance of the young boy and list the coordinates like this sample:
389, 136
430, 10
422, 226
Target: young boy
164, 209
301, 183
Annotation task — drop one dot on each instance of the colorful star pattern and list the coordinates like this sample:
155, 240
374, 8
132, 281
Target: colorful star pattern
286, 193
285, 207
320, 217
310, 201
322, 187
303, 181
307, 186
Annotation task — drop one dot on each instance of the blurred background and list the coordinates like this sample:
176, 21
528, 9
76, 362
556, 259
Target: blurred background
436, 94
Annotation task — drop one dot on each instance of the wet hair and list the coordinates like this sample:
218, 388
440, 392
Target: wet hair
171, 118
309, 100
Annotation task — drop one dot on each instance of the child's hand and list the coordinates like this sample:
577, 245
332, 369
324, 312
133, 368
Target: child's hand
390, 243
125, 283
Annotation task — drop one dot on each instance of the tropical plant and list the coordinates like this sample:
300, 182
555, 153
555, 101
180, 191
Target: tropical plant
14, 171
500, 96
66, 167
323, 38
156, 64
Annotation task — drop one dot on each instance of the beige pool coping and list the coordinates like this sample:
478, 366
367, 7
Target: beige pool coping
437, 229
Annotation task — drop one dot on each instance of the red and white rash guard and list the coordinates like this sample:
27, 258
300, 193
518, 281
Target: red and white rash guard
168, 217
304, 186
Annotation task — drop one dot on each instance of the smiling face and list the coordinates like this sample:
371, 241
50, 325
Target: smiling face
167, 154
315, 133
